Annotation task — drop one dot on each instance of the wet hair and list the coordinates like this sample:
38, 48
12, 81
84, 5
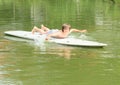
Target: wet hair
64, 26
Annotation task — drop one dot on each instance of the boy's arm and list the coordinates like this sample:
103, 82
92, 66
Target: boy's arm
76, 30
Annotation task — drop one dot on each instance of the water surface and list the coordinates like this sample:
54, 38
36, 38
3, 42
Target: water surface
25, 63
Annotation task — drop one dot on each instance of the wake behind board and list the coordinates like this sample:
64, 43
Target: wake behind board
65, 41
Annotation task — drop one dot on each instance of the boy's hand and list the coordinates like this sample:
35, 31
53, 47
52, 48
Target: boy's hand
84, 31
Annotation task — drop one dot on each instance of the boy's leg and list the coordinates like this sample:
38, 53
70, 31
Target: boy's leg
44, 28
36, 29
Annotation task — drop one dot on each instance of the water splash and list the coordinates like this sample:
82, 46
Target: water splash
85, 37
39, 40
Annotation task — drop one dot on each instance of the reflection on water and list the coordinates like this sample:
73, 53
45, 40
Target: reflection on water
3, 45
45, 47
6, 68
56, 50
52, 48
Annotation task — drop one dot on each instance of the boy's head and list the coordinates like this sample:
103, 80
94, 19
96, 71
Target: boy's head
65, 27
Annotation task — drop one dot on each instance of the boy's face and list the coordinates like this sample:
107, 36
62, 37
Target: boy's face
66, 29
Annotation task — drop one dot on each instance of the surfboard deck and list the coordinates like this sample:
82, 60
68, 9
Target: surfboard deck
65, 41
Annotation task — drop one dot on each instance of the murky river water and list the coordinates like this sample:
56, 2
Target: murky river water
25, 63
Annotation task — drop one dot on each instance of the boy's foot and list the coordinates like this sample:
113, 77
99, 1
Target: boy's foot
42, 26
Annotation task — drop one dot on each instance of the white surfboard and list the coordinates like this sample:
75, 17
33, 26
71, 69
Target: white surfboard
65, 41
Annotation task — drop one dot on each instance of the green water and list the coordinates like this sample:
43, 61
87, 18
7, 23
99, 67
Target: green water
25, 63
